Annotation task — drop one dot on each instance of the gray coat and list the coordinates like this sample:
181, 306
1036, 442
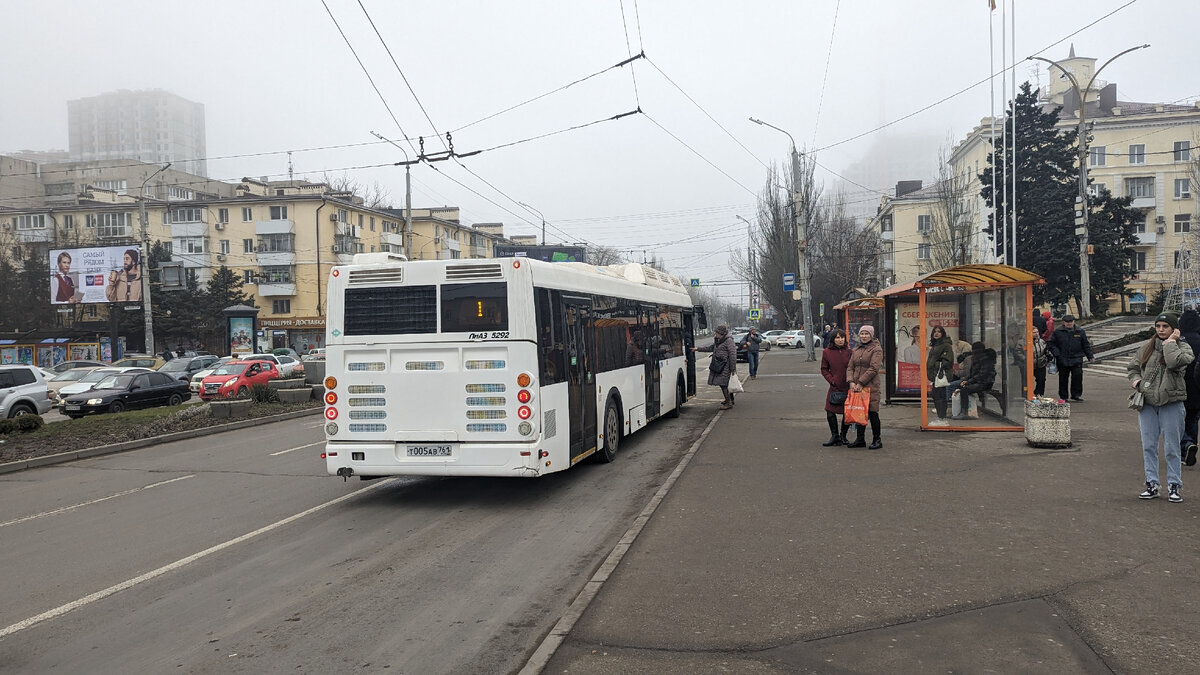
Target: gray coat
1163, 376
723, 346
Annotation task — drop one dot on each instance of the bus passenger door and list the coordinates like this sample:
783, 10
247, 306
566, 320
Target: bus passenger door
581, 377
652, 349
689, 341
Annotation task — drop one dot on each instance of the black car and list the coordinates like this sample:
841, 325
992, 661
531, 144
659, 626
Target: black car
124, 391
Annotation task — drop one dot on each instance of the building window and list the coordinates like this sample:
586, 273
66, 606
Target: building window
117, 186
343, 216
1183, 151
1137, 261
885, 224
277, 275
1140, 226
923, 251
113, 225
222, 215
247, 214
68, 221
278, 192
1183, 188
190, 245
277, 243
30, 222
281, 306
188, 215
247, 246
924, 223
248, 276
1137, 154
1096, 189
1139, 187
179, 193
1183, 223
372, 223
18, 253
1096, 156
279, 213
224, 247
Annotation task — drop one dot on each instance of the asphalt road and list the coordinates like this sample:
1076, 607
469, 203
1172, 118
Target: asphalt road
236, 553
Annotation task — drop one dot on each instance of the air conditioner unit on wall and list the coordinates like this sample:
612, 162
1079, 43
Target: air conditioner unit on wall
1160, 219
220, 226
333, 217
220, 257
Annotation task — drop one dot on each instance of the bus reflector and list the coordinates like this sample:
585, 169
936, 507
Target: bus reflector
523, 396
523, 380
331, 413
336, 272
524, 412
525, 428
331, 428
331, 382
516, 264
330, 398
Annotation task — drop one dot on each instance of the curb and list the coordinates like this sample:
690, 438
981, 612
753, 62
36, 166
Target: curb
63, 457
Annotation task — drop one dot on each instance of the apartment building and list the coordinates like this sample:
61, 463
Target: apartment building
152, 126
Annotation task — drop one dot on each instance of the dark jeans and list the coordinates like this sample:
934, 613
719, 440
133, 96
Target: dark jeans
939, 401
1039, 381
1073, 374
752, 361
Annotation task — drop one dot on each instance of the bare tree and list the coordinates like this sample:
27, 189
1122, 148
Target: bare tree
951, 237
843, 254
605, 255
772, 249
374, 196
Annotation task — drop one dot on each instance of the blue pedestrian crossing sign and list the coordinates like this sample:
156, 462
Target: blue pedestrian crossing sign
754, 314
695, 283
789, 282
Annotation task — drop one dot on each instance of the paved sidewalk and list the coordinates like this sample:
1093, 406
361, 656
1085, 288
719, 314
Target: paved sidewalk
942, 552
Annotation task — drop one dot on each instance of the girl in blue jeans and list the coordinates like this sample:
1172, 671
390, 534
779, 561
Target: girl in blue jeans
1157, 370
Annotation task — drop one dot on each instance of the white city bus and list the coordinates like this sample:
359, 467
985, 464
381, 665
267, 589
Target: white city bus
498, 367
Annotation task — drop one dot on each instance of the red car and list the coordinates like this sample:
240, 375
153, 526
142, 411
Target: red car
234, 379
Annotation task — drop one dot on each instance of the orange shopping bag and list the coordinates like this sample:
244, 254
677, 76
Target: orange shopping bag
857, 404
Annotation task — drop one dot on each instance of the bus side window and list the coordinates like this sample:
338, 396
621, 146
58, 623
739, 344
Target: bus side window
549, 317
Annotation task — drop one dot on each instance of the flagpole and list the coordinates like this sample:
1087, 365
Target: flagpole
992, 92
1004, 125
1013, 54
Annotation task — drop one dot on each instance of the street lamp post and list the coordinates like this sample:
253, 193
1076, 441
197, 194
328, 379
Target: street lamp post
408, 233
801, 244
1082, 212
750, 294
540, 216
148, 344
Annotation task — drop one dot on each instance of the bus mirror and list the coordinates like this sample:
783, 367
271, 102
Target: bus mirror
701, 319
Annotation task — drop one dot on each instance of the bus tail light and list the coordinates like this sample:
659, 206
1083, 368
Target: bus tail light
524, 412
523, 396
331, 413
524, 379
330, 398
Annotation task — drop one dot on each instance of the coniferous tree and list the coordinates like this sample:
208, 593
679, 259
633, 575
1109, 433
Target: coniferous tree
1113, 233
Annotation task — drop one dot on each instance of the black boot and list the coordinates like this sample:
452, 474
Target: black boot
875, 444
845, 441
858, 442
833, 440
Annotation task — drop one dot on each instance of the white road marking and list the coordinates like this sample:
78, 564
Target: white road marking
182, 562
298, 447
94, 501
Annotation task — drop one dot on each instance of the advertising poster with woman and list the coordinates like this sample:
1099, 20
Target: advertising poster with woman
909, 380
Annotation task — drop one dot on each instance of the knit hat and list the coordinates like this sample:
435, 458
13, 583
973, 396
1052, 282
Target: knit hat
867, 328
722, 330
1170, 318
978, 346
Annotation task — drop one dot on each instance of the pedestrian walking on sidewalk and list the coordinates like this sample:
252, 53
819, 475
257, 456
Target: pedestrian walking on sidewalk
1070, 346
939, 369
835, 359
1189, 330
723, 364
752, 340
1157, 370
863, 372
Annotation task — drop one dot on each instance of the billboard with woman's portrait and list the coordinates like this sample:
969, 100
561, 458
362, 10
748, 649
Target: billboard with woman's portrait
95, 275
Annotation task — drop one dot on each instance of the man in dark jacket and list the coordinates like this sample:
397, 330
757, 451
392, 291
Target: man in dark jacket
1069, 346
1189, 329
752, 340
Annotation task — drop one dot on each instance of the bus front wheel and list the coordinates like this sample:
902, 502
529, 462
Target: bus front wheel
612, 432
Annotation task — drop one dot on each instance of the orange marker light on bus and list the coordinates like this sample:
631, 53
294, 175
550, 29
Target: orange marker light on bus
523, 380
330, 398
523, 396
331, 382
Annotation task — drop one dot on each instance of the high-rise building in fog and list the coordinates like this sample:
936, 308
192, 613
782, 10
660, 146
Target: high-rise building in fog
152, 126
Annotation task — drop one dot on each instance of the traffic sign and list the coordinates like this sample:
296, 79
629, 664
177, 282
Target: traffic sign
754, 314
789, 281
822, 311
695, 283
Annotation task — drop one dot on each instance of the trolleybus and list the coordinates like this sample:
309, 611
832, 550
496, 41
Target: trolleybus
498, 367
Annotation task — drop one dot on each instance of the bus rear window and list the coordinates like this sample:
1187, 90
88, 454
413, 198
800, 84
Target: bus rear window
391, 310
474, 307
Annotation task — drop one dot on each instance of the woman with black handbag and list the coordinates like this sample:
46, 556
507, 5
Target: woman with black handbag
834, 359
723, 364
939, 368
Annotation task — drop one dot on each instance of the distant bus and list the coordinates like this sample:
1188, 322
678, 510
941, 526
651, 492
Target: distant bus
498, 367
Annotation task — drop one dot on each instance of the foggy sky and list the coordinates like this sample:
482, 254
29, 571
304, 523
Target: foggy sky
276, 75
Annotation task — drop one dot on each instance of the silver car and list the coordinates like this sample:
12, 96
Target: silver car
23, 391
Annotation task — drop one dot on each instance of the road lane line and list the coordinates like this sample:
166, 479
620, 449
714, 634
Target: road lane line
94, 501
182, 562
298, 447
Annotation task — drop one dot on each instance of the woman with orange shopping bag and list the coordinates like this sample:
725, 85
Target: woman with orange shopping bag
863, 376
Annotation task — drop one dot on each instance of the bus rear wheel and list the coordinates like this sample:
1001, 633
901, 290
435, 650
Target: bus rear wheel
612, 432
680, 397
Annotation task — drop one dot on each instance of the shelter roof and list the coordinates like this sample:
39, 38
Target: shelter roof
860, 303
970, 276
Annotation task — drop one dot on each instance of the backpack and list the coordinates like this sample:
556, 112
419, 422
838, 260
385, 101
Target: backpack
1040, 357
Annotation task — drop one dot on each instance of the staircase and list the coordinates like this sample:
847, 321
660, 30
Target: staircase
1103, 333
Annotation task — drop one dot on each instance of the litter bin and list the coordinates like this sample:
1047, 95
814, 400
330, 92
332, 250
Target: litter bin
1048, 423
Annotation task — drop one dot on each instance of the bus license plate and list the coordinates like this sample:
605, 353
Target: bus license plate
429, 451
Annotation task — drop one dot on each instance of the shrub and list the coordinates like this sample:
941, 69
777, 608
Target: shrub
7, 426
27, 423
261, 393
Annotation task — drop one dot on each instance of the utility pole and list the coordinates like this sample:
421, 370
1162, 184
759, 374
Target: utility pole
148, 344
540, 215
1082, 212
801, 230
408, 232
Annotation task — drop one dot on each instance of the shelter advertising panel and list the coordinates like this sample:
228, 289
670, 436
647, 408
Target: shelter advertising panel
95, 275
909, 379
241, 335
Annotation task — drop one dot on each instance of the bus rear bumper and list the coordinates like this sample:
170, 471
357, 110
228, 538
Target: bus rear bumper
372, 460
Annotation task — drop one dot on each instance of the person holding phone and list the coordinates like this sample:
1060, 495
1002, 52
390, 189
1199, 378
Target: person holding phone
1157, 370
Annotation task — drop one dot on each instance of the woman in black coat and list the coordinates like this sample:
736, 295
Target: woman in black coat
723, 349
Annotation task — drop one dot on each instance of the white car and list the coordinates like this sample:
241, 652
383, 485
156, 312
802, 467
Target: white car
88, 382
287, 364
772, 335
795, 339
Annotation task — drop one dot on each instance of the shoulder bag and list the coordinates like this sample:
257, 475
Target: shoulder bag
837, 397
941, 380
717, 365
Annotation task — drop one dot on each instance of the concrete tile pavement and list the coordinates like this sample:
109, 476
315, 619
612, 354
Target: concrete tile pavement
958, 552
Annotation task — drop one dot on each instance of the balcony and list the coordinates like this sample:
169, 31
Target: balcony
887, 235
478, 251
1146, 239
1142, 203
391, 239
275, 258
274, 227
34, 236
179, 230
192, 260
268, 290
887, 263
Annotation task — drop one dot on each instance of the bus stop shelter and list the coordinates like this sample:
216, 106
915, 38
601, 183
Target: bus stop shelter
988, 304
